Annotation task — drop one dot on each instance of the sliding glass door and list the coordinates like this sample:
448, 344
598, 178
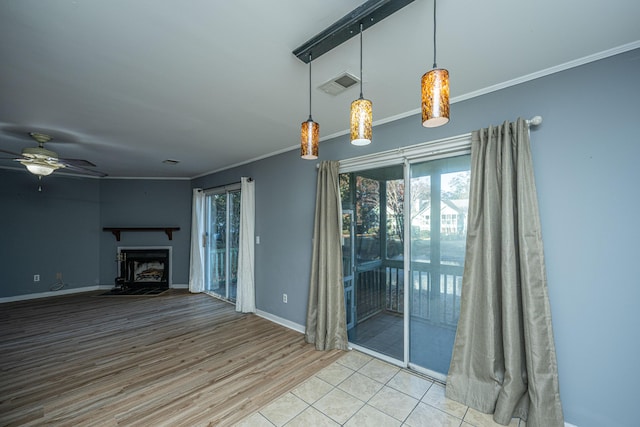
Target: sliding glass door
392, 300
223, 234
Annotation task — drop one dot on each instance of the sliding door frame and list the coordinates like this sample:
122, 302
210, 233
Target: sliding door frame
226, 190
406, 156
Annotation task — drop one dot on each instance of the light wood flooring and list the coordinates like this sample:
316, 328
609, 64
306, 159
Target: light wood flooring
179, 359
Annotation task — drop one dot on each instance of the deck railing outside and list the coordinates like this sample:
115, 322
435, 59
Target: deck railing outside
216, 271
380, 287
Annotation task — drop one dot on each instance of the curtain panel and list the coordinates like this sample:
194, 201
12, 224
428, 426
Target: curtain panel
246, 295
326, 318
196, 267
504, 359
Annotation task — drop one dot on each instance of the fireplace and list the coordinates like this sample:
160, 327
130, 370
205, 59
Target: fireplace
143, 267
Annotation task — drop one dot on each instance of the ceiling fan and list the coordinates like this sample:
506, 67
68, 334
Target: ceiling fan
42, 162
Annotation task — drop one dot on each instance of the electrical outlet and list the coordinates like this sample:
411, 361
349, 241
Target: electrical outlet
58, 276
36, 277
284, 298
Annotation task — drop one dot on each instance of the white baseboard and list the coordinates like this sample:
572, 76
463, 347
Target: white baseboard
280, 321
569, 425
69, 291
54, 293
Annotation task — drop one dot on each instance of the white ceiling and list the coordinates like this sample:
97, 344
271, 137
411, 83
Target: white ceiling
211, 83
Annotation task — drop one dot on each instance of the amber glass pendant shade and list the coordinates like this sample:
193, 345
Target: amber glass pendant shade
361, 121
435, 98
309, 136
309, 131
361, 113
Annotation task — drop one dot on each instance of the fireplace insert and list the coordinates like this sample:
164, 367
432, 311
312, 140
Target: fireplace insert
143, 268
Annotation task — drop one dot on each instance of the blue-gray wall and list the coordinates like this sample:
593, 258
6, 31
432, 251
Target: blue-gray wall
285, 197
145, 203
59, 230
585, 158
48, 232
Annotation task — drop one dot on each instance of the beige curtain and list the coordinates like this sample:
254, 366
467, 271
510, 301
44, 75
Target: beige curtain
326, 318
504, 359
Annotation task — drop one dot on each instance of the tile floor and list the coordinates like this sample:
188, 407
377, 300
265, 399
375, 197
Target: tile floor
359, 390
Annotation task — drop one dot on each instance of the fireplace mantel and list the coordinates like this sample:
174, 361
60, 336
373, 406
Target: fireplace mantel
117, 230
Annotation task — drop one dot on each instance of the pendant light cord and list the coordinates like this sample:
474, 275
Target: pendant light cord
361, 97
434, 34
310, 119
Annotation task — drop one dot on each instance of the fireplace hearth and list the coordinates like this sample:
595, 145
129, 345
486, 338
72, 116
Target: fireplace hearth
143, 267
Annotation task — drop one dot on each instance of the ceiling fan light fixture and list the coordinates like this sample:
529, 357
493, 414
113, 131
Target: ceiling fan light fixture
42, 162
40, 168
38, 160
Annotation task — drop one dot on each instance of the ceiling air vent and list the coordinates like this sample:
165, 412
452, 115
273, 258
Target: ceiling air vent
339, 84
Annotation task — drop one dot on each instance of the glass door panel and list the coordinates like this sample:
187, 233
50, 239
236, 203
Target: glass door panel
348, 267
216, 260
233, 243
439, 206
376, 199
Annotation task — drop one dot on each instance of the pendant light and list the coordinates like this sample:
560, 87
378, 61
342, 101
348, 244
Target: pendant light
310, 131
361, 113
435, 90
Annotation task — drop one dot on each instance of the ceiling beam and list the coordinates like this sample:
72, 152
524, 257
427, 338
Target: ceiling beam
367, 14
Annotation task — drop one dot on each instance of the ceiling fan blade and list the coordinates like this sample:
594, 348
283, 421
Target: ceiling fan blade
77, 162
83, 170
11, 152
